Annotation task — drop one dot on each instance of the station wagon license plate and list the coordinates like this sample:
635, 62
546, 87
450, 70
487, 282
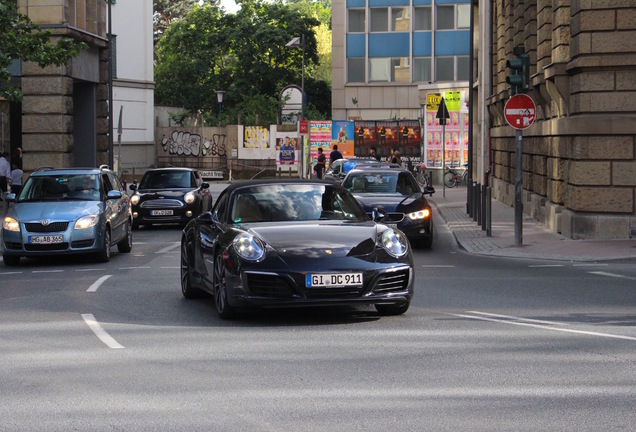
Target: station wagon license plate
52, 239
334, 279
161, 212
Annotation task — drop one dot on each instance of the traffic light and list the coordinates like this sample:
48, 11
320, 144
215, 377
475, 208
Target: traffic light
519, 78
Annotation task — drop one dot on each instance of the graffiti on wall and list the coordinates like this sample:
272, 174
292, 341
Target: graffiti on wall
182, 143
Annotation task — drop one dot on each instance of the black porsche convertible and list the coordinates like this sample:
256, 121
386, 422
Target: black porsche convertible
290, 243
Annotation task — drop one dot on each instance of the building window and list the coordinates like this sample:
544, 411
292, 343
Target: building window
422, 69
422, 18
400, 69
445, 69
379, 19
463, 68
463, 16
355, 70
379, 69
452, 17
400, 19
357, 21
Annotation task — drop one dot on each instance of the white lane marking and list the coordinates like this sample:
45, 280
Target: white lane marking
438, 266
89, 269
10, 273
171, 268
518, 318
545, 265
47, 271
132, 268
169, 248
607, 335
614, 275
100, 332
590, 265
97, 283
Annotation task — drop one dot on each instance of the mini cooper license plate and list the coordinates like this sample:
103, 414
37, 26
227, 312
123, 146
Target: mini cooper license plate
52, 239
161, 212
335, 279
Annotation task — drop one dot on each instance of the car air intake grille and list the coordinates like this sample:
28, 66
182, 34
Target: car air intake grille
392, 282
334, 292
52, 227
46, 247
162, 203
269, 286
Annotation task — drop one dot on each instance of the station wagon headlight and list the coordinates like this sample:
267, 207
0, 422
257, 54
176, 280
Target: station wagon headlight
394, 242
86, 222
248, 247
134, 200
10, 224
189, 197
422, 214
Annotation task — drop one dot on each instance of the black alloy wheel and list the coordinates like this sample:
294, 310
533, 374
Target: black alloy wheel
186, 283
125, 245
104, 254
219, 283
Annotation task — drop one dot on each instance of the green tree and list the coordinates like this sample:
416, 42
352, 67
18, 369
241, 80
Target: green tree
21, 39
165, 12
243, 54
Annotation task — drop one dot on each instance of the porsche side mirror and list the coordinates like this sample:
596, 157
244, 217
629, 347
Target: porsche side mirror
378, 214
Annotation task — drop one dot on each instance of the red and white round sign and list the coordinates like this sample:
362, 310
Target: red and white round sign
520, 111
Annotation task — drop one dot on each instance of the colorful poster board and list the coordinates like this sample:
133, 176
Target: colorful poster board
342, 134
454, 143
403, 135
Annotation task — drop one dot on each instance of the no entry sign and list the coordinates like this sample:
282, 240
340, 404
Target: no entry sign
520, 111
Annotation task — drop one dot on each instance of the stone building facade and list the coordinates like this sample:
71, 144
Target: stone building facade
579, 156
65, 108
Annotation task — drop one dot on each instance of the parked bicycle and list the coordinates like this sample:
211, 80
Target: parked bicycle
419, 171
452, 177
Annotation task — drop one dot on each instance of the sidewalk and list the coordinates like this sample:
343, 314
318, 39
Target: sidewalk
537, 241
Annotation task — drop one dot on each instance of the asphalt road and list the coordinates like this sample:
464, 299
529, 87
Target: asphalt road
488, 344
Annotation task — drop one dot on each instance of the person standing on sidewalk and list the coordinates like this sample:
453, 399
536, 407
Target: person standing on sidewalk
16, 179
334, 155
5, 173
319, 168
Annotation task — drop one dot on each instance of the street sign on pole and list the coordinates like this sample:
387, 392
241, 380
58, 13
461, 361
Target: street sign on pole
520, 111
442, 115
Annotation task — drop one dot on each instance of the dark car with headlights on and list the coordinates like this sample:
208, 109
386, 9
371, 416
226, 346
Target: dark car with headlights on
169, 195
294, 243
67, 211
395, 193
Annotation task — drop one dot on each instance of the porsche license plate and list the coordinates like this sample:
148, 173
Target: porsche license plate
50, 239
334, 279
161, 212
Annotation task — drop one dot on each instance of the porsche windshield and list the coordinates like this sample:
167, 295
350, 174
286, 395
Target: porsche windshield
82, 187
294, 202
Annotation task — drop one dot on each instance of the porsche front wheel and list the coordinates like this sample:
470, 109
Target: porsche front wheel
219, 282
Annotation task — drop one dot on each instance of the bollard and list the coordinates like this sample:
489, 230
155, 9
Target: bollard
488, 212
474, 201
483, 207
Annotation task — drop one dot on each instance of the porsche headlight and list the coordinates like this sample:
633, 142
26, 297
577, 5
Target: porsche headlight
249, 247
10, 224
134, 200
189, 197
86, 222
394, 242
422, 214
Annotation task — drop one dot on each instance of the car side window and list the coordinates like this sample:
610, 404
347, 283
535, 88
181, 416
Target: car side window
220, 208
116, 182
196, 178
106, 184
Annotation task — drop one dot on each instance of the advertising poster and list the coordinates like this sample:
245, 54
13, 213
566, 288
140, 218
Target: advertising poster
387, 132
410, 138
287, 150
454, 143
319, 136
365, 137
342, 134
255, 143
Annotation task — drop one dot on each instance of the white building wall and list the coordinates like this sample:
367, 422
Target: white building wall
133, 87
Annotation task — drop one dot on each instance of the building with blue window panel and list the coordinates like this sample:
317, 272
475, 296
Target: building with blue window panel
386, 52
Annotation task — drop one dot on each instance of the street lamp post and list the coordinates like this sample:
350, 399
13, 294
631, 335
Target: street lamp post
219, 98
300, 41
110, 84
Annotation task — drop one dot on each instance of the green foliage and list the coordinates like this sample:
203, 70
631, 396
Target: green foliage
21, 39
166, 12
242, 53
